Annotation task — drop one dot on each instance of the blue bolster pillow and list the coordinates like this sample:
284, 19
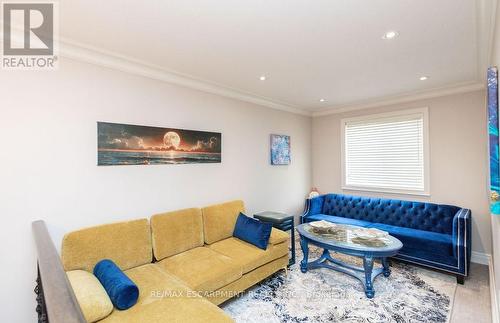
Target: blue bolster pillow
122, 291
252, 231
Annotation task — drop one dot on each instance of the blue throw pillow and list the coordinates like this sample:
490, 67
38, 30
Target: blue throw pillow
252, 231
122, 291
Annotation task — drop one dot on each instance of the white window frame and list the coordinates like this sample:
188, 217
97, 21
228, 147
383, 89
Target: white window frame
419, 111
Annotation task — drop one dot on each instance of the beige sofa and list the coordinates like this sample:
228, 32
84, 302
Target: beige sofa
184, 262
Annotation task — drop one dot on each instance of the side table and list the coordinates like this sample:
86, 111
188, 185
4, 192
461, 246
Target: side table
281, 221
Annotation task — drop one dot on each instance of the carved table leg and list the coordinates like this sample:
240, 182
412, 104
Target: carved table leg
368, 265
387, 269
305, 251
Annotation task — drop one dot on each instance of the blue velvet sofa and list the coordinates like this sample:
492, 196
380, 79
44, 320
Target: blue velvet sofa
433, 235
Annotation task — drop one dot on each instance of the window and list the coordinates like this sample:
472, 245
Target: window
387, 152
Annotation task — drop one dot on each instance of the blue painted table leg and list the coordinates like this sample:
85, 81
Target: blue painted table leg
305, 250
365, 274
324, 256
368, 265
387, 269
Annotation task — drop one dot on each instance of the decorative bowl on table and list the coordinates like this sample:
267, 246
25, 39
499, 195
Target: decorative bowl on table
371, 233
322, 226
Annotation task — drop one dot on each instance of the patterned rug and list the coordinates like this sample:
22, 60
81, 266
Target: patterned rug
410, 294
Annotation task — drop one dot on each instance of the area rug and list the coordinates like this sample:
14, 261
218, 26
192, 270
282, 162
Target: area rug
410, 294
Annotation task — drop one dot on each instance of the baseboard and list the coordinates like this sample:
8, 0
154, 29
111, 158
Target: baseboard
493, 294
480, 258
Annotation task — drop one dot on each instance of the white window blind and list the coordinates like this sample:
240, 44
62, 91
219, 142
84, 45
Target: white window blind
386, 153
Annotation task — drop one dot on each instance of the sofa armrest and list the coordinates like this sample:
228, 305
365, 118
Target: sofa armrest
462, 233
278, 236
312, 206
307, 208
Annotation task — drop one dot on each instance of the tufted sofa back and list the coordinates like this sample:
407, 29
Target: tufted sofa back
415, 215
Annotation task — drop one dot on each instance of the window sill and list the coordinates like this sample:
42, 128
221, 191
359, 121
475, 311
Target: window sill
387, 191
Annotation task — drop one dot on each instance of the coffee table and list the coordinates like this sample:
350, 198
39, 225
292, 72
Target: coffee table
344, 240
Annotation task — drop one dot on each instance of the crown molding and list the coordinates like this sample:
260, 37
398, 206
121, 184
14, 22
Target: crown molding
405, 98
485, 29
87, 54
99, 57
485, 24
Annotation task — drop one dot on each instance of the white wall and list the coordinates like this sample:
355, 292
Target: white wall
458, 156
48, 160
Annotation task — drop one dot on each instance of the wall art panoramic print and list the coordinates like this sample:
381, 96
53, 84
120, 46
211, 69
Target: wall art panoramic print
493, 140
280, 150
123, 144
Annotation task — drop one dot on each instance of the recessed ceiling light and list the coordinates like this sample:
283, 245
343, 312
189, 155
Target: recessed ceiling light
322, 100
390, 34
263, 78
423, 78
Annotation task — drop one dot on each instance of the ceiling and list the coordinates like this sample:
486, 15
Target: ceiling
309, 50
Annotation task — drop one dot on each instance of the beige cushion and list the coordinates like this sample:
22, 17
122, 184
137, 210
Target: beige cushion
164, 298
278, 236
175, 232
219, 220
93, 299
202, 269
128, 244
247, 280
247, 255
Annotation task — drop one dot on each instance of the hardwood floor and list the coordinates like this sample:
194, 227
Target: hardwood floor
472, 300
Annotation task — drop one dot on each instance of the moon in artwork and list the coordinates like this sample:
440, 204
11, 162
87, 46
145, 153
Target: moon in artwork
171, 139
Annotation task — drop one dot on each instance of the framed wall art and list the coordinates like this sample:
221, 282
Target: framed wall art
124, 144
280, 150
